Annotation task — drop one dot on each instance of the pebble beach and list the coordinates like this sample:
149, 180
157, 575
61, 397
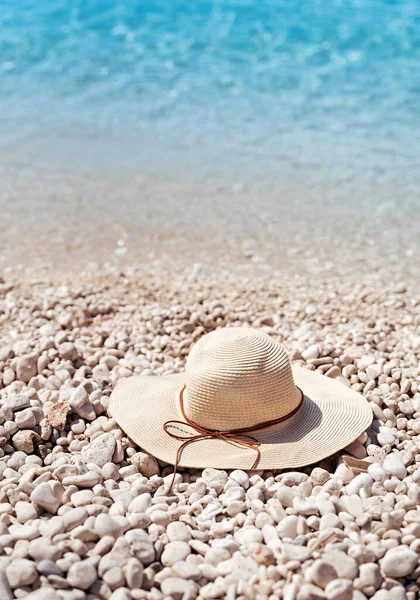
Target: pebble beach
168, 169
86, 514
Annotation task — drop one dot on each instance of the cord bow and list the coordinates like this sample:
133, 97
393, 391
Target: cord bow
238, 436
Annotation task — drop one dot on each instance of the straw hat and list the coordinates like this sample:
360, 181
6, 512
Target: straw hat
239, 405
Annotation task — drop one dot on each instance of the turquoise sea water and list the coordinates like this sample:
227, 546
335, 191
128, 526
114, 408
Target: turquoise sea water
307, 82
293, 125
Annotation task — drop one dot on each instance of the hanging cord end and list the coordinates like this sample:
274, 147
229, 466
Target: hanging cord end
171, 485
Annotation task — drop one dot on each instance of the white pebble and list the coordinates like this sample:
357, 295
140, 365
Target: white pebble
399, 562
393, 465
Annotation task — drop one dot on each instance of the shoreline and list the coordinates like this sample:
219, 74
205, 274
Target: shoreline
64, 219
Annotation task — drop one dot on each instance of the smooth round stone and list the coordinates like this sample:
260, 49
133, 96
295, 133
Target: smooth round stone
118, 557
262, 519
361, 481
369, 577
25, 419
269, 533
121, 593
114, 578
386, 438
394, 465
142, 545
44, 549
110, 471
23, 532
228, 543
238, 567
174, 552
146, 464
406, 407
21, 572
383, 595
309, 591
304, 506
44, 497
340, 589
293, 478
399, 562
354, 505
104, 545
236, 507
139, 520
199, 546
140, 504
26, 367
390, 485
87, 480
186, 570
177, 588
240, 477
287, 528
256, 493
373, 371
345, 565
160, 517
356, 449
311, 352
107, 525
25, 511
328, 521
74, 517
177, 531
167, 481
78, 426
248, 535
81, 575
48, 567
209, 572
234, 493
416, 426
221, 528
343, 474
295, 552
321, 573
216, 555
133, 572
325, 506
275, 510
377, 472
82, 498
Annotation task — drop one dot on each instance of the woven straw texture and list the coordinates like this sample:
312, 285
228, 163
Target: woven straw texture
235, 378
238, 368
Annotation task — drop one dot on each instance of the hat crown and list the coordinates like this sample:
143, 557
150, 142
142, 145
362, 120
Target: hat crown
238, 377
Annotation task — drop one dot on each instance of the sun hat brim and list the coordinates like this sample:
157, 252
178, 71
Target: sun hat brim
331, 417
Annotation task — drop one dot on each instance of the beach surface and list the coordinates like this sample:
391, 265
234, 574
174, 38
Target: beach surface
85, 513
167, 169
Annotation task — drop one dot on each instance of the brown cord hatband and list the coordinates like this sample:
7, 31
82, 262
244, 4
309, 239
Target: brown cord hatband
234, 435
